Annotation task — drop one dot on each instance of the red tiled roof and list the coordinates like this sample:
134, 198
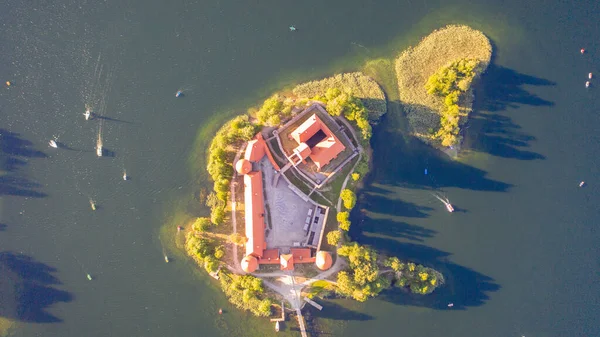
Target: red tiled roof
326, 150
287, 262
302, 255
254, 214
323, 260
307, 129
249, 264
303, 150
243, 166
270, 256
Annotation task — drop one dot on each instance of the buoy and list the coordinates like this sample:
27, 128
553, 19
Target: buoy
587, 84
8, 83
581, 184
590, 76
582, 51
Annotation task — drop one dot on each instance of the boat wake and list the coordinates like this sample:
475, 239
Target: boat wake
445, 201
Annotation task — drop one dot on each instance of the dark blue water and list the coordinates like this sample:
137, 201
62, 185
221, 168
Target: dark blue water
520, 254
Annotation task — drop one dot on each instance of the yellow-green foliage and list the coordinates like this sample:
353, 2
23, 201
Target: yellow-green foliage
319, 288
348, 198
355, 176
416, 65
420, 279
220, 157
450, 82
246, 292
333, 237
202, 250
363, 87
343, 219
201, 224
272, 110
362, 280
346, 104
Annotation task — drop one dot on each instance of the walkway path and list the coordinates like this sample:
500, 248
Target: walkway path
236, 264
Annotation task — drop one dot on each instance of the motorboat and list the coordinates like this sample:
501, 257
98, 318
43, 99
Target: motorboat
124, 175
53, 144
87, 114
277, 326
166, 259
449, 207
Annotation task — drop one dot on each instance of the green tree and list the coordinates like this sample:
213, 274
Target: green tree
219, 252
348, 198
201, 224
217, 215
333, 237
343, 219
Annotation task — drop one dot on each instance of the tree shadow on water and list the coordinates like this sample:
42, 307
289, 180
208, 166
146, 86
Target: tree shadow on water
464, 287
491, 132
32, 288
503, 88
14, 154
401, 162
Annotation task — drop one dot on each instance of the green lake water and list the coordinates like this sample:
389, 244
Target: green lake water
520, 255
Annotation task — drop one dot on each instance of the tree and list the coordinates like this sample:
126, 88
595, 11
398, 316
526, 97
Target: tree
333, 237
394, 263
343, 219
355, 176
217, 215
201, 224
237, 239
219, 252
348, 198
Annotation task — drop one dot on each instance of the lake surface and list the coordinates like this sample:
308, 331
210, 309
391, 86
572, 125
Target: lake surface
520, 255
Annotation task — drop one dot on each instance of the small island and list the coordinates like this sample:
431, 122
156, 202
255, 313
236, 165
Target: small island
286, 176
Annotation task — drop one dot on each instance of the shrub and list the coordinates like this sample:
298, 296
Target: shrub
362, 280
355, 176
451, 82
333, 237
219, 252
343, 219
272, 110
246, 293
217, 215
201, 224
348, 198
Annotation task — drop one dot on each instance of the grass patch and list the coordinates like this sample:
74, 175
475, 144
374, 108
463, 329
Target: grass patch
416, 65
361, 86
320, 288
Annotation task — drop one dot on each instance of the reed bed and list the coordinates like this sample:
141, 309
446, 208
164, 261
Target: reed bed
416, 64
361, 86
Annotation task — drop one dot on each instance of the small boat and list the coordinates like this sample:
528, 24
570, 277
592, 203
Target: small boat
277, 326
220, 311
449, 207
590, 76
93, 204
124, 175
53, 144
582, 51
179, 228
450, 305
87, 114
89, 277
581, 184
179, 93
446, 202
587, 84
166, 259
292, 28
